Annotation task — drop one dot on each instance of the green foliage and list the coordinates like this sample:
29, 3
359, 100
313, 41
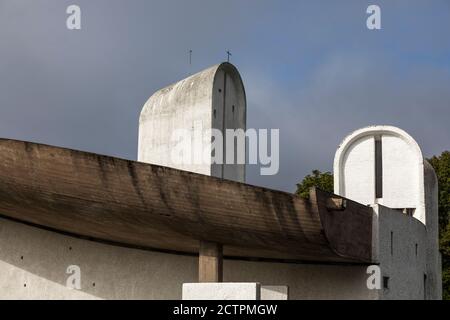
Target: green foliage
323, 181
445, 250
441, 165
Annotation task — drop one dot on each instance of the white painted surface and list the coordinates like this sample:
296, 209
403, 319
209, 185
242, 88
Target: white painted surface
409, 182
274, 293
233, 291
403, 169
222, 291
402, 164
358, 180
124, 273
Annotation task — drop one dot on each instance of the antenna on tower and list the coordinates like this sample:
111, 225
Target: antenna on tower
190, 57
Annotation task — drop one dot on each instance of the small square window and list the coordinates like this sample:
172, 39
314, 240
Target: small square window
386, 282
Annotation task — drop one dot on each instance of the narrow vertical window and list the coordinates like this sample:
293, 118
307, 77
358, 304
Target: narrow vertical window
378, 168
392, 243
224, 150
424, 287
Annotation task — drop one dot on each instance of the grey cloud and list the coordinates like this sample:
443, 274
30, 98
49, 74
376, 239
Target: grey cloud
311, 69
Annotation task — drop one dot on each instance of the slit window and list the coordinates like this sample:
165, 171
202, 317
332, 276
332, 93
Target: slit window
424, 287
392, 243
378, 168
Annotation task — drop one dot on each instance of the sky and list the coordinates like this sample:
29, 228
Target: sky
310, 68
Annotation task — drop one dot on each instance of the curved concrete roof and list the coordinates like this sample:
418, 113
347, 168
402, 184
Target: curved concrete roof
149, 206
193, 90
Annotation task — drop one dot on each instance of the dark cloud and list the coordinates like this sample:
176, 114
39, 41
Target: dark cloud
311, 69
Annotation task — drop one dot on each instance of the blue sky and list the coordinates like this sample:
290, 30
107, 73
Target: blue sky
310, 68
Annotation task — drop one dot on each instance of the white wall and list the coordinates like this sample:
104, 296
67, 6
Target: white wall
402, 173
177, 107
123, 273
211, 99
358, 173
408, 182
401, 167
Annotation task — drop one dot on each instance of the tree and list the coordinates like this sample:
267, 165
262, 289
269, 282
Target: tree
444, 245
323, 181
441, 165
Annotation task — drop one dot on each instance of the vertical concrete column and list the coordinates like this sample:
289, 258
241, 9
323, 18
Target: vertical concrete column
210, 263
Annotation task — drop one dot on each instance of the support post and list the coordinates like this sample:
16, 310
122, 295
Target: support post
210, 262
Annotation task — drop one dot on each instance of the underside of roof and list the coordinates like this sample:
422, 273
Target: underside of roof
148, 206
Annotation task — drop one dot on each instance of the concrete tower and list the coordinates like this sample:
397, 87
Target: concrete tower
177, 119
384, 166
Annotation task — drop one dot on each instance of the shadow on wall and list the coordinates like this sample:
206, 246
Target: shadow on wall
33, 264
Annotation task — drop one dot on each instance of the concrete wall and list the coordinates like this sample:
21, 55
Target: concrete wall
211, 99
39, 259
434, 263
402, 175
408, 182
402, 169
402, 254
357, 182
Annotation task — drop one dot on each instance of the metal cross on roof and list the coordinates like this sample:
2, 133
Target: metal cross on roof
228, 55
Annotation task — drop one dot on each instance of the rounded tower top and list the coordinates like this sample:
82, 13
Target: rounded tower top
384, 165
196, 89
176, 123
